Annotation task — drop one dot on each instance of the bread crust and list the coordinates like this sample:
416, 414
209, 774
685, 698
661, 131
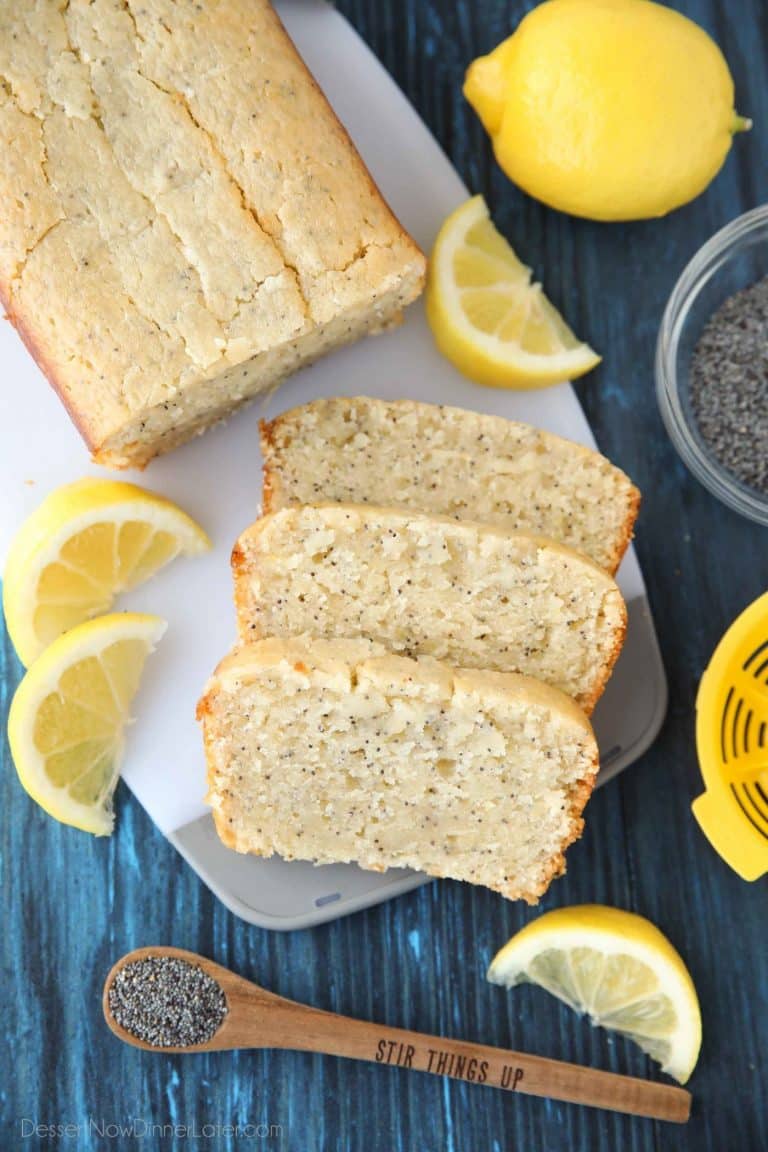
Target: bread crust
623, 542
589, 703
38, 353
267, 436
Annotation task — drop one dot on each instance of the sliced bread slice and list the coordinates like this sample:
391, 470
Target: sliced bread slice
451, 462
331, 750
475, 595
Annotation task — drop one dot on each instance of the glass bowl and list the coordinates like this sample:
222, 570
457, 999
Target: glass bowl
734, 258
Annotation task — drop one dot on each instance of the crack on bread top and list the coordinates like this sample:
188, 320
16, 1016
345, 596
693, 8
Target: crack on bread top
270, 256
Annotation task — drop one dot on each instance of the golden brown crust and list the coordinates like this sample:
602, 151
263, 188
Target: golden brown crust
588, 704
237, 558
239, 561
267, 437
37, 351
204, 714
628, 535
203, 708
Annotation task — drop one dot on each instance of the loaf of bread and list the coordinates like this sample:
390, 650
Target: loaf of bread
183, 220
437, 459
332, 750
474, 595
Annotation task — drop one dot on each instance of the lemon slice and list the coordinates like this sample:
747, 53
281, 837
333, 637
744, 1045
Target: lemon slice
616, 967
66, 722
86, 543
488, 318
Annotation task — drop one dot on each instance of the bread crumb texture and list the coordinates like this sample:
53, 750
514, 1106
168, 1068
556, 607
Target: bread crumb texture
452, 462
339, 751
474, 595
183, 219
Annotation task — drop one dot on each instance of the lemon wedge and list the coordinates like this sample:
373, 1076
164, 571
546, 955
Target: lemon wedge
85, 544
487, 317
616, 967
66, 722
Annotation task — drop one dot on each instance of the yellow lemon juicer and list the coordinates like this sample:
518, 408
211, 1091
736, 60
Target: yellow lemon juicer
732, 744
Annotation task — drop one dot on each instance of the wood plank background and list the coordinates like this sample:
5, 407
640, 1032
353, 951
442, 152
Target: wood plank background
71, 904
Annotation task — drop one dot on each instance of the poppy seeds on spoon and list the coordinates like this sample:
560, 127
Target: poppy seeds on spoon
729, 385
167, 1002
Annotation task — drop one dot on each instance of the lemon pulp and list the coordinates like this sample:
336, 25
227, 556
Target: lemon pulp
486, 315
617, 968
67, 719
86, 543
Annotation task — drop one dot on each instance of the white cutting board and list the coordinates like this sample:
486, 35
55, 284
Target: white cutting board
217, 480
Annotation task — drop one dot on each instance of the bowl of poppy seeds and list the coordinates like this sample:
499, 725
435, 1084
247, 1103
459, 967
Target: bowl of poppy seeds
712, 365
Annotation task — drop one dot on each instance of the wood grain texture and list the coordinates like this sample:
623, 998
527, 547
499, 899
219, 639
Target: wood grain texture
72, 905
257, 1018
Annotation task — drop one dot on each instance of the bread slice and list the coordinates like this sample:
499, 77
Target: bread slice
452, 462
331, 750
183, 220
475, 595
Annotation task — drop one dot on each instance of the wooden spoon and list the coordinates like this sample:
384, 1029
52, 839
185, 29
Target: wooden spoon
259, 1019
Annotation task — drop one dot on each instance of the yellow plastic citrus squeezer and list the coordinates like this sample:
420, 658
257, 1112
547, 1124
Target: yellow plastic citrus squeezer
732, 744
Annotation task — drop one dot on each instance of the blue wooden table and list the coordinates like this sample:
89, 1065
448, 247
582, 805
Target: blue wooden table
72, 904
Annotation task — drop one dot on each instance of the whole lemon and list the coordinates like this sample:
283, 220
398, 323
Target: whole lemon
609, 109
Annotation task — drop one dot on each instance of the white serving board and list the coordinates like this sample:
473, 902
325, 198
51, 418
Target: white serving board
217, 480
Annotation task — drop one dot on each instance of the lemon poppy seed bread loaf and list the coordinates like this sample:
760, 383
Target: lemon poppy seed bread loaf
446, 460
475, 595
338, 751
183, 220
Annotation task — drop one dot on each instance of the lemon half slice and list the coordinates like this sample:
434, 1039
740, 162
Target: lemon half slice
616, 967
488, 318
66, 722
85, 544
